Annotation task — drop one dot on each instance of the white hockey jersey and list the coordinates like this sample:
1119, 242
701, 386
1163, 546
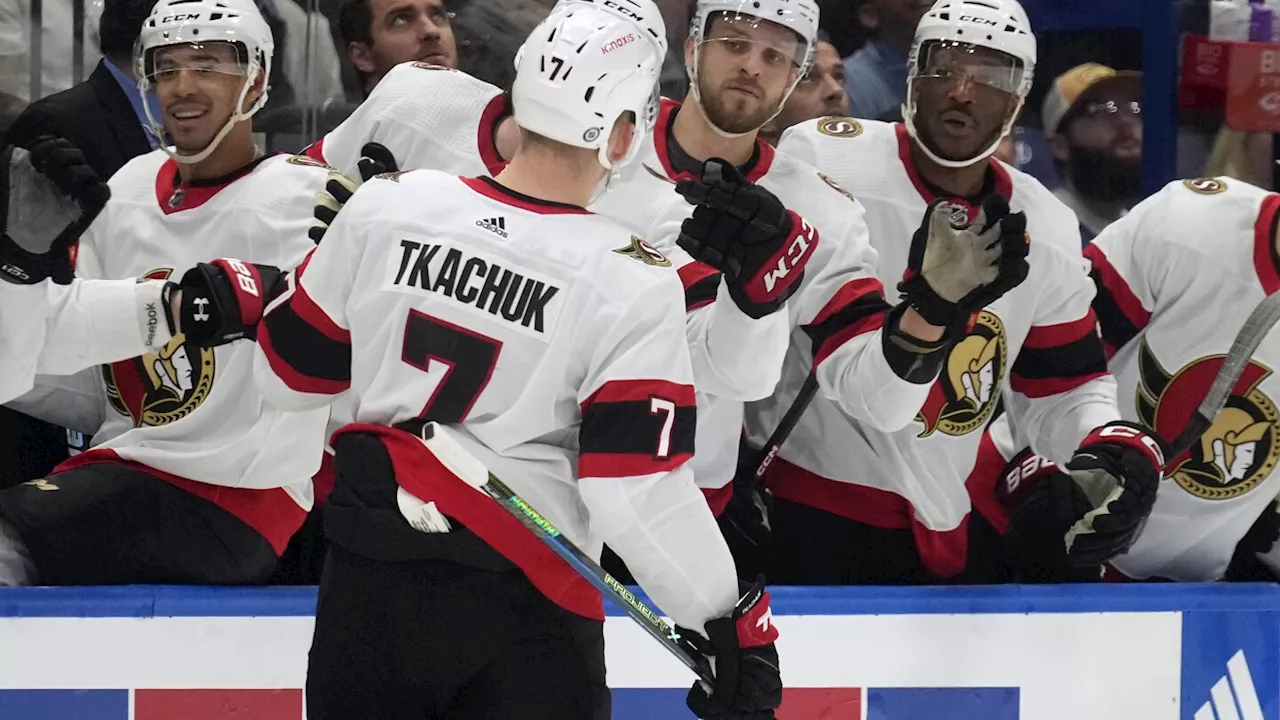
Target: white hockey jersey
192, 414
1039, 342
833, 320
428, 116
1176, 279
552, 343
63, 329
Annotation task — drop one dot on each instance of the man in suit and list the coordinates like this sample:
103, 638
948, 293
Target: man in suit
103, 116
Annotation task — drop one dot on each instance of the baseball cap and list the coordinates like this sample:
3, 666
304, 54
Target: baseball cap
1071, 86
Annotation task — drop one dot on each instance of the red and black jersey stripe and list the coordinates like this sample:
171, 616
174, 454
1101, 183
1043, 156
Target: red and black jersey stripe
701, 283
636, 427
859, 307
1120, 313
306, 349
1058, 358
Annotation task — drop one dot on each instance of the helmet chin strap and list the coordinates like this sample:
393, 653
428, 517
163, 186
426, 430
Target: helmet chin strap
909, 119
157, 128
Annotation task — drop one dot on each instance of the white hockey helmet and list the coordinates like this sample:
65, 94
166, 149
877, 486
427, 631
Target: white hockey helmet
1000, 25
585, 66
182, 22
799, 16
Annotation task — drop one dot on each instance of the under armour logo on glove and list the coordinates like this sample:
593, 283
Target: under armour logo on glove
200, 315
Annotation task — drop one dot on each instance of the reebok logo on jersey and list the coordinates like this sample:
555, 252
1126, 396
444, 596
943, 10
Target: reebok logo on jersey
496, 225
1234, 695
477, 282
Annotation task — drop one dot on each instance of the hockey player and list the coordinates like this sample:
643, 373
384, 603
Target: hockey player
872, 361
193, 478
1169, 305
534, 330
425, 116
894, 500
50, 322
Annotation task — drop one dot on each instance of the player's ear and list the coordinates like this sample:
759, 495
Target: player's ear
623, 134
255, 91
361, 57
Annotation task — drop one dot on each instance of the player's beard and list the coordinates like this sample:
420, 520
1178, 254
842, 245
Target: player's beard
729, 119
927, 137
1100, 176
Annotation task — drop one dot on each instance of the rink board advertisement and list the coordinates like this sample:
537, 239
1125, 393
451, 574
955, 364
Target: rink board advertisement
1151, 652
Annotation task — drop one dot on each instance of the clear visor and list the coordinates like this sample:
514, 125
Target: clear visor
778, 45
163, 64
962, 62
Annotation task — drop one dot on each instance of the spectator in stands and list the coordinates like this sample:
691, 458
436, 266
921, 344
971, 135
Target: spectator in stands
876, 75
1093, 125
103, 116
821, 92
380, 34
488, 33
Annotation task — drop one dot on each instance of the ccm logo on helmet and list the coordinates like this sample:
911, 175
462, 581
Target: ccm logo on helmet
980, 21
623, 9
179, 18
617, 43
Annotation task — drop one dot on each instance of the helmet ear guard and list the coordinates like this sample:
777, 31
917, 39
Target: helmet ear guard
999, 25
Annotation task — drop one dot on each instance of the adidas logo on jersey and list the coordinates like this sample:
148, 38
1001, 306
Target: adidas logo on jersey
1234, 695
496, 225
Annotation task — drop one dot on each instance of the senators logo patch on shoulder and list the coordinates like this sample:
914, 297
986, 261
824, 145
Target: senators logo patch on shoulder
1206, 186
835, 185
837, 126
306, 161
644, 252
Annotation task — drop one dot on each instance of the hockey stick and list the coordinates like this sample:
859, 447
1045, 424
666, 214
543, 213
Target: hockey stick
473, 472
785, 426
1259, 323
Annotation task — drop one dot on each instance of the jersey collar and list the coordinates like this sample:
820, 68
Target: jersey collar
998, 179
759, 164
173, 195
495, 190
497, 109
1265, 261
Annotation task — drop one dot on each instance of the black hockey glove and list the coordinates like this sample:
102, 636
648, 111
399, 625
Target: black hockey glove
223, 301
744, 231
1103, 501
51, 195
953, 271
338, 189
1264, 533
375, 159
748, 681
1034, 528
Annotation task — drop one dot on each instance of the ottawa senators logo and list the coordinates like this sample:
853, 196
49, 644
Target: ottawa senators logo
644, 252
835, 185
1237, 452
1206, 186
836, 126
160, 388
965, 394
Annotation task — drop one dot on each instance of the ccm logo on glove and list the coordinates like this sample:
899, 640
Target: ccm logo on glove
804, 239
1123, 432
